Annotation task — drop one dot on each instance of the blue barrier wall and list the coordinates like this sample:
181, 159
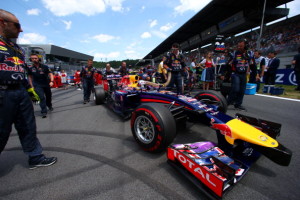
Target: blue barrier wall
285, 77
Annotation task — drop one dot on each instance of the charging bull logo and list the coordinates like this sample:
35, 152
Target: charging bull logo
14, 60
223, 128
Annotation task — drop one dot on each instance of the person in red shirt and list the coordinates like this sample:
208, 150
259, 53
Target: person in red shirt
98, 78
57, 81
64, 76
77, 78
208, 73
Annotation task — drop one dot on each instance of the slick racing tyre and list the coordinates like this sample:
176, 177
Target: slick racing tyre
99, 95
212, 97
153, 127
225, 89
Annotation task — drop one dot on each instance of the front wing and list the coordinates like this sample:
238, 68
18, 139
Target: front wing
207, 166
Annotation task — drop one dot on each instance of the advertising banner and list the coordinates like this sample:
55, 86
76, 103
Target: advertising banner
285, 77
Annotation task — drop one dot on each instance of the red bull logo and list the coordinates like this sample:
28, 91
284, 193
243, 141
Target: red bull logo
14, 60
223, 128
16, 68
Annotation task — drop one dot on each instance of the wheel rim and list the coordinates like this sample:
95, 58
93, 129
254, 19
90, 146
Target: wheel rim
144, 129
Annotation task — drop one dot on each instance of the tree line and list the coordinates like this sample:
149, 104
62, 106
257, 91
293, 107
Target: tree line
115, 64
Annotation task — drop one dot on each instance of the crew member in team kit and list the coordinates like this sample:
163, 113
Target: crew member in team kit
41, 79
109, 71
15, 103
175, 64
240, 66
87, 77
123, 70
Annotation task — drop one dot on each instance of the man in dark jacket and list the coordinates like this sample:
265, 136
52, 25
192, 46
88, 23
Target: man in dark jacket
273, 65
296, 63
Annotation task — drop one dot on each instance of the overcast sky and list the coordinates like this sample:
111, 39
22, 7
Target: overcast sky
105, 29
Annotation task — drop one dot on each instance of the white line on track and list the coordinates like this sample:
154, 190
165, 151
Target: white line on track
278, 97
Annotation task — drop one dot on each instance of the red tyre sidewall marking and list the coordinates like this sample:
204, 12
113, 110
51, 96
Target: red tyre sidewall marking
213, 96
156, 125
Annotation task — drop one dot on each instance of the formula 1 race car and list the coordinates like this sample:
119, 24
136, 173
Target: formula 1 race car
156, 114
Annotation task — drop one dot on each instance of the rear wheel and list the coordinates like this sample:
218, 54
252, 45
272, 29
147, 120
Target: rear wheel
153, 127
212, 97
99, 95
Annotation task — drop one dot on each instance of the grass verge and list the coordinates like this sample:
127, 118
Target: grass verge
289, 91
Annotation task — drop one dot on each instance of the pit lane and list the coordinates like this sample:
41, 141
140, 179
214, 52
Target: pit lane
98, 158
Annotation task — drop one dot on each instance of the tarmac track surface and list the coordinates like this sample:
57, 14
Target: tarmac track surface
99, 159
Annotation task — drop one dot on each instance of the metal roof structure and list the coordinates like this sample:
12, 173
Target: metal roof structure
60, 51
226, 17
57, 51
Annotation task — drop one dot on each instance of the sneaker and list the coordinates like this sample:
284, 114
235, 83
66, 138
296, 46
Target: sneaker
240, 108
85, 101
51, 108
44, 115
43, 163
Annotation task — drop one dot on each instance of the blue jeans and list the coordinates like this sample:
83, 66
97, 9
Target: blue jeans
177, 80
88, 85
238, 88
16, 108
45, 95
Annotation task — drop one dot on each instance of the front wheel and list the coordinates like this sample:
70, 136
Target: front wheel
212, 97
99, 95
153, 127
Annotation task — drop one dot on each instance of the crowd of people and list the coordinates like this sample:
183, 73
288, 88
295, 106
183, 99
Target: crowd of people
211, 69
281, 37
206, 67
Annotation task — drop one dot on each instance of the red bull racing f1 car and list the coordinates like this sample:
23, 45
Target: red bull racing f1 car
156, 113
